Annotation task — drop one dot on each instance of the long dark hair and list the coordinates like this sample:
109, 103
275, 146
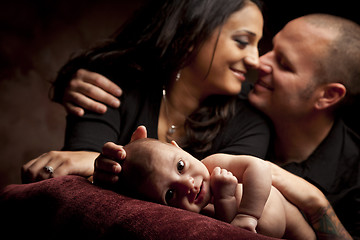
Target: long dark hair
157, 41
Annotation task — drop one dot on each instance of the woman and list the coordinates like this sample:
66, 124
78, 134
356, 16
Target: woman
181, 65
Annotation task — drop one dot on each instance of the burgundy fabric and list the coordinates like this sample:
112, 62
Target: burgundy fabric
70, 207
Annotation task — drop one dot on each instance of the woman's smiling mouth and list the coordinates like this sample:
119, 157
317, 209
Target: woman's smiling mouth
238, 74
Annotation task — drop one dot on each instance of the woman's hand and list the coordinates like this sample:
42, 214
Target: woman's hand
59, 163
311, 201
107, 166
90, 91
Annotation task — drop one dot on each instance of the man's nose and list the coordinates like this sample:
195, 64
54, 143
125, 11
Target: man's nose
265, 63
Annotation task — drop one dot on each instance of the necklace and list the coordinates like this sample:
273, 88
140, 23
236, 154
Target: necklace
172, 129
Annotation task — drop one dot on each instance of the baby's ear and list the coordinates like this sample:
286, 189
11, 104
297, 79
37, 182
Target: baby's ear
139, 133
175, 144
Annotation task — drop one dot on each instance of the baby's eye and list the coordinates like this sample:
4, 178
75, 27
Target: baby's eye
180, 166
169, 195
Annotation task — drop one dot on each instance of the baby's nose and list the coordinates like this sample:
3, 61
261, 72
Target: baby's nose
188, 184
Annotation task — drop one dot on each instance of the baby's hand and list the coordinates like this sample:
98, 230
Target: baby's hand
223, 183
114, 151
245, 221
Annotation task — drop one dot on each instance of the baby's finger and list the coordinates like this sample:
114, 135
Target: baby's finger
114, 151
224, 171
104, 179
139, 133
107, 165
216, 171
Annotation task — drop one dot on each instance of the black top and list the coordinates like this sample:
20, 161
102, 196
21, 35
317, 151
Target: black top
334, 167
246, 133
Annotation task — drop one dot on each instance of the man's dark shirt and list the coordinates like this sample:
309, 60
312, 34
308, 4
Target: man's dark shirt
334, 167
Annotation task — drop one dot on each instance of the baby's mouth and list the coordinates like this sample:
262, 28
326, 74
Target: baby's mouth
199, 198
197, 195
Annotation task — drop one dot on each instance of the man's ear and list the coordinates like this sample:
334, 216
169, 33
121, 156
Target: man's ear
175, 144
331, 94
139, 133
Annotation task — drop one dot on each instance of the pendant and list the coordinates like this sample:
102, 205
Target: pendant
172, 130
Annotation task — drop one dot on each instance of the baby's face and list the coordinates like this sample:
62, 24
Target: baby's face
178, 179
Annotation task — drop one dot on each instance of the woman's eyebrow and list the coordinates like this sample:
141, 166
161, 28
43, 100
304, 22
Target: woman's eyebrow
246, 31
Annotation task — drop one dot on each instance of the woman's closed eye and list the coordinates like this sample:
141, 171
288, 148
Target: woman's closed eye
242, 41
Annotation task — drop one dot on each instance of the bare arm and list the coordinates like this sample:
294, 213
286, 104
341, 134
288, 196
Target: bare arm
312, 202
255, 175
223, 186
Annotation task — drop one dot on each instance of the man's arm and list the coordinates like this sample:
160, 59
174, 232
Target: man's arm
90, 91
327, 225
311, 201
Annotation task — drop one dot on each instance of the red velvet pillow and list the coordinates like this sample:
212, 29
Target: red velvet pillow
71, 207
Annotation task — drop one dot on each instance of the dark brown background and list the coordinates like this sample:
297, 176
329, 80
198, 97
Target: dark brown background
36, 39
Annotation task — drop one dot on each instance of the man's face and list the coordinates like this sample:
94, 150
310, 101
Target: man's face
286, 87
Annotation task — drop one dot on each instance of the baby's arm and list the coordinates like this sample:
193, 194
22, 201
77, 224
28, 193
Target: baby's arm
223, 186
255, 175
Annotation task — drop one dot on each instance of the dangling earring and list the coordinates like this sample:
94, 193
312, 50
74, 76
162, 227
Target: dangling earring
178, 75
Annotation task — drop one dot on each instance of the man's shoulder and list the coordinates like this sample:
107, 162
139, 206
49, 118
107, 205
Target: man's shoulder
342, 143
354, 136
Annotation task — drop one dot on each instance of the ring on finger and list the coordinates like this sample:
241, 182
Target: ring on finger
49, 169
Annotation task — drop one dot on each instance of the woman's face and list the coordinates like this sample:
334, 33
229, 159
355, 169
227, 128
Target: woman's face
235, 52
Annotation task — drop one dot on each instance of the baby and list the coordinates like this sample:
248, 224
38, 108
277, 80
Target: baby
166, 174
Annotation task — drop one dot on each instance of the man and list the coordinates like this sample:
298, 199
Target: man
312, 69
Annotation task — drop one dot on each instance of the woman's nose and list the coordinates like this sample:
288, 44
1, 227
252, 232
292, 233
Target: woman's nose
252, 59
